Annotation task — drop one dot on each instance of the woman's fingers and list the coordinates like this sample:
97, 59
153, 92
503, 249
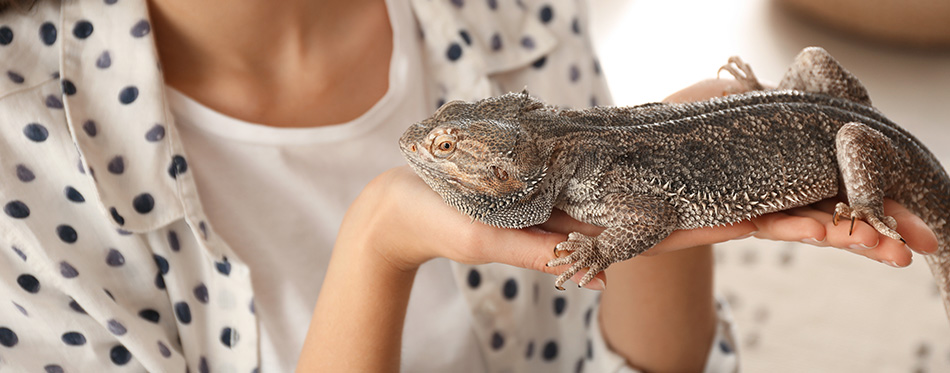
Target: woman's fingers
912, 228
862, 239
785, 226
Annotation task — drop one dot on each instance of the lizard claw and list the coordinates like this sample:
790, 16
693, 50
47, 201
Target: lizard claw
885, 225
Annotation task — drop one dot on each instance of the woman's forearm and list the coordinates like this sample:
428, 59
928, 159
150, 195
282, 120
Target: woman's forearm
658, 312
357, 324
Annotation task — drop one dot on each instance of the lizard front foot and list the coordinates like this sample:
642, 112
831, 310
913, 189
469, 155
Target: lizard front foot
884, 224
585, 253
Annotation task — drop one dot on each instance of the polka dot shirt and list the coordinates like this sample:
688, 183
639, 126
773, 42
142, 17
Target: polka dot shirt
107, 260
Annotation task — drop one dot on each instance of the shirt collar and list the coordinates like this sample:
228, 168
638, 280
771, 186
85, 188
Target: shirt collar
113, 94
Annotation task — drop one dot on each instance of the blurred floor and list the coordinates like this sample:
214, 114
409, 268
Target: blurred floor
799, 308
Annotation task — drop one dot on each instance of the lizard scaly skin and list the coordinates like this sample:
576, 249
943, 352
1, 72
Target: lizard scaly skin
641, 172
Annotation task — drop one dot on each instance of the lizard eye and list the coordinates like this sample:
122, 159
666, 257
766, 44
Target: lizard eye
443, 145
499, 173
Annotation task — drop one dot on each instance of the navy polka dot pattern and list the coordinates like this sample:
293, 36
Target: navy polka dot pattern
162, 264
6, 35
83, 29
76, 307
68, 87
143, 203
73, 195
16, 210
141, 29
183, 312
496, 43
229, 337
7, 337
157, 133
159, 281
454, 52
497, 341
559, 304
117, 165
128, 95
29, 283
150, 315
546, 14
120, 355
116, 217
178, 166
21, 309
104, 60
67, 270
223, 267
74, 339
54, 102
550, 351
116, 327
510, 290
173, 242
67, 233
163, 349
48, 33
201, 293
24, 173
203, 365
19, 252
36, 132
474, 278
89, 127
15, 77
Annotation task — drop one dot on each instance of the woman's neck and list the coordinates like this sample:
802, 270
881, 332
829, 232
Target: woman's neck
282, 63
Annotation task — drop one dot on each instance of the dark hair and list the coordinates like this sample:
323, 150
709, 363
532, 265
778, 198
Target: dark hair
20, 5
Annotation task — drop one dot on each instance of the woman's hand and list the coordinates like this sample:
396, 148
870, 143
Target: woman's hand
407, 223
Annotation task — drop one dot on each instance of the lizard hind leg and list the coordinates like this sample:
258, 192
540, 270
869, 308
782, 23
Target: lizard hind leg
867, 162
816, 71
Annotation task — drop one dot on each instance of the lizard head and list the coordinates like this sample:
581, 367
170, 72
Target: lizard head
480, 159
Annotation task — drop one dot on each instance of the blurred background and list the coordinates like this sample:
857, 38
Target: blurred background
797, 307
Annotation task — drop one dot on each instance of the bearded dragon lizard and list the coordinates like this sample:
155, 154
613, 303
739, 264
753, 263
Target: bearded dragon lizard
644, 171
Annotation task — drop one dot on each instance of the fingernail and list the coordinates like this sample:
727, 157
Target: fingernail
919, 252
597, 284
862, 246
893, 263
747, 235
813, 241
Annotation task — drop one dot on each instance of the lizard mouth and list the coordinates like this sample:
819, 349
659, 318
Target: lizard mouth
432, 173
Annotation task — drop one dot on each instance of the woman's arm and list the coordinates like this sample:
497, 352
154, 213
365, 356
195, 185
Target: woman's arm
394, 226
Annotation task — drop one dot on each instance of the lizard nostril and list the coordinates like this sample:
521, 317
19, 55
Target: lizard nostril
412, 147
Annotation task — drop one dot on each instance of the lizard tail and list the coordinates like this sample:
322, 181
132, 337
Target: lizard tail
937, 218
